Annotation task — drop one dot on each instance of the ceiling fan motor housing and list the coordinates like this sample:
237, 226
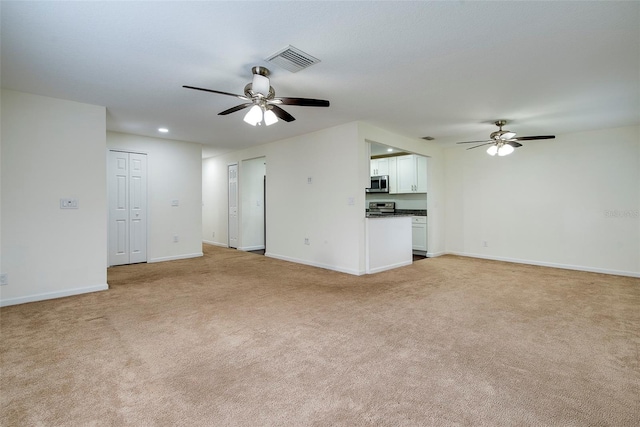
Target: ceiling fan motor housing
502, 135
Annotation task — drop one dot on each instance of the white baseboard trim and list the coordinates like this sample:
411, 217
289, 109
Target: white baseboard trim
435, 254
550, 264
53, 295
314, 264
251, 248
389, 267
212, 243
176, 257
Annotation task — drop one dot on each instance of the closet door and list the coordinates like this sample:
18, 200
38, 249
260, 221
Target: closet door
137, 208
127, 207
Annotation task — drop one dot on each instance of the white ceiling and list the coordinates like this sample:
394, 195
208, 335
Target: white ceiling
446, 69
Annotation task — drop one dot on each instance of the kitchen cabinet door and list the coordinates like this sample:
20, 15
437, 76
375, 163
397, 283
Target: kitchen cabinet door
406, 172
421, 174
393, 175
379, 167
411, 174
419, 233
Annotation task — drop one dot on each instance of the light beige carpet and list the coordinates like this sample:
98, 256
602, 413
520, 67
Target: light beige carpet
237, 339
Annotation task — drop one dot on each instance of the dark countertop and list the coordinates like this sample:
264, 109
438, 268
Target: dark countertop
412, 212
398, 212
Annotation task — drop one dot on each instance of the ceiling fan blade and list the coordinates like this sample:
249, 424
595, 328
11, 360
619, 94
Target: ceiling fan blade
514, 144
474, 142
471, 148
530, 138
304, 102
217, 91
282, 114
234, 109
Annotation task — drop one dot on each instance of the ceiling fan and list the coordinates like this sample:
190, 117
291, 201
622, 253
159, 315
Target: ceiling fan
503, 142
260, 96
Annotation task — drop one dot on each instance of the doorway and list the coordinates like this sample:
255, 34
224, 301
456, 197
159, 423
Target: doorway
233, 205
127, 189
252, 205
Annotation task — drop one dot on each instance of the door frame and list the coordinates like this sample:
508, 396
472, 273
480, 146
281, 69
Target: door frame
237, 228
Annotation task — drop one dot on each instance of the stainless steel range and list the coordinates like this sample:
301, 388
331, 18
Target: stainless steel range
381, 208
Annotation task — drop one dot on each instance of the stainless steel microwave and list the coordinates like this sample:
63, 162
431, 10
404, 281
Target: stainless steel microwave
379, 184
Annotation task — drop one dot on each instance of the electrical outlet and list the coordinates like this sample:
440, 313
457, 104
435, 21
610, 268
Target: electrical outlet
213, 234
309, 180
306, 241
485, 244
175, 238
4, 279
68, 203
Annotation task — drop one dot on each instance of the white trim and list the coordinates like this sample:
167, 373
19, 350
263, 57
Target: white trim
251, 248
389, 267
435, 254
212, 243
53, 295
123, 150
551, 264
315, 264
176, 257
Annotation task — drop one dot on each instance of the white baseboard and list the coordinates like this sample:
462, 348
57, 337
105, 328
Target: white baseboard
389, 267
314, 264
435, 254
53, 295
212, 243
176, 257
251, 248
550, 264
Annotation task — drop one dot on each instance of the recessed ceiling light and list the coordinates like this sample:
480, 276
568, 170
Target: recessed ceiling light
389, 149
163, 130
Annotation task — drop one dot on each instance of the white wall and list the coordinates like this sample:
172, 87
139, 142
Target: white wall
319, 211
52, 149
174, 173
572, 202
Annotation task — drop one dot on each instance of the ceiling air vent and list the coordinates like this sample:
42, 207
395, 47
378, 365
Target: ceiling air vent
292, 59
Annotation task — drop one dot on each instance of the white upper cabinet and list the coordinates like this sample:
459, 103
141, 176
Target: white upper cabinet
380, 166
411, 174
421, 174
393, 181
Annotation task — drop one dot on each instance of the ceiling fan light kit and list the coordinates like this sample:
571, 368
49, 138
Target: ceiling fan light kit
260, 96
270, 117
254, 116
504, 142
502, 150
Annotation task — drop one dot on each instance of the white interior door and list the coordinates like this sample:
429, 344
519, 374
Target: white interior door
137, 208
127, 208
233, 206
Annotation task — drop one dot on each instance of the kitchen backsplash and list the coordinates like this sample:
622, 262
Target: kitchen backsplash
403, 201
